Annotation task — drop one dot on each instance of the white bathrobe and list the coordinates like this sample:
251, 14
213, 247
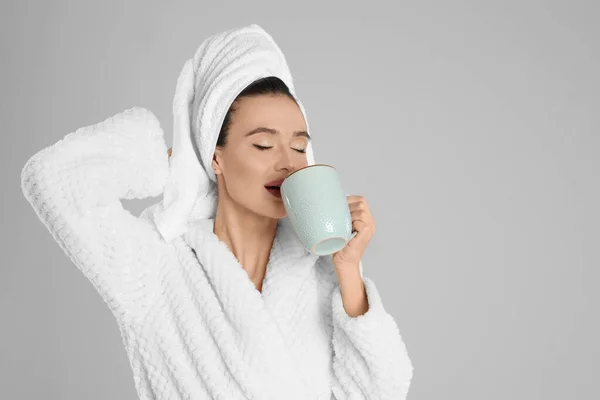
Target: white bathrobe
193, 324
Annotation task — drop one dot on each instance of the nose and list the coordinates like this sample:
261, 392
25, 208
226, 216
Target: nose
285, 162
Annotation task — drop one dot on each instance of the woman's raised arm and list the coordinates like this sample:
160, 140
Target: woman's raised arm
75, 187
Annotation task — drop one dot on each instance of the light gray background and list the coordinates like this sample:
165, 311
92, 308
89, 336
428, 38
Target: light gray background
472, 128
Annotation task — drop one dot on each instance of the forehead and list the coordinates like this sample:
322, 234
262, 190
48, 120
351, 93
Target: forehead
276, 111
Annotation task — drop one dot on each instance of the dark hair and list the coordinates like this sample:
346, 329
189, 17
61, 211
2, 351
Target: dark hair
268, 85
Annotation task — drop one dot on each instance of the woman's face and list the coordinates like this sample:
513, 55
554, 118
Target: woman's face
267, 141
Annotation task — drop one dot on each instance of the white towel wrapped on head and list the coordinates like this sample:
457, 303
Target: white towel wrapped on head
224, 65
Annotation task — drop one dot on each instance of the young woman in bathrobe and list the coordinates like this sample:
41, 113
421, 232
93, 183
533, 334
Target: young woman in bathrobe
234, 307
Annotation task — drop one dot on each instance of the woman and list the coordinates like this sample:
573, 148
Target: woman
214, 295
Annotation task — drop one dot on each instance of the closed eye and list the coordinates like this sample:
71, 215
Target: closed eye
263, 148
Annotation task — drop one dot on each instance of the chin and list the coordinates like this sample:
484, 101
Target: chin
275, 211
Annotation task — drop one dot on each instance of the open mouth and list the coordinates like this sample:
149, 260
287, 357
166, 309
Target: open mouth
274, 190
274, 187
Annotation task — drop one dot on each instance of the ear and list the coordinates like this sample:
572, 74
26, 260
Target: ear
216, 162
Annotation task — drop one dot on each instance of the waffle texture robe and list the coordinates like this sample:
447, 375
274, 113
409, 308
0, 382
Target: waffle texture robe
193, 324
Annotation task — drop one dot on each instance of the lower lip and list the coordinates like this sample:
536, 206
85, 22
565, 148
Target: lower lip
274, 192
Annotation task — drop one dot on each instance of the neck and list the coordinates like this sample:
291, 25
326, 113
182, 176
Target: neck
249, 237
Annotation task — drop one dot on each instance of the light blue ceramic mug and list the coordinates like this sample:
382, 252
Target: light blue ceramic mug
317, 208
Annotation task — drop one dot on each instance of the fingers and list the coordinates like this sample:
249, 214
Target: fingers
353, 199
358, 203
362, 220
358, 206
359, 225
360, 215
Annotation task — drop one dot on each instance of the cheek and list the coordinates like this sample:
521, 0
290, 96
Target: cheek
246, 174
301, 161
304, 162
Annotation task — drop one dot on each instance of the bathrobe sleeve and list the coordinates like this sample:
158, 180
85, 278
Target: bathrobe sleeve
370, 358
75, 187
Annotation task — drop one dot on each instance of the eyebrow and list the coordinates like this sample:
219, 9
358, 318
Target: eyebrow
262, 129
